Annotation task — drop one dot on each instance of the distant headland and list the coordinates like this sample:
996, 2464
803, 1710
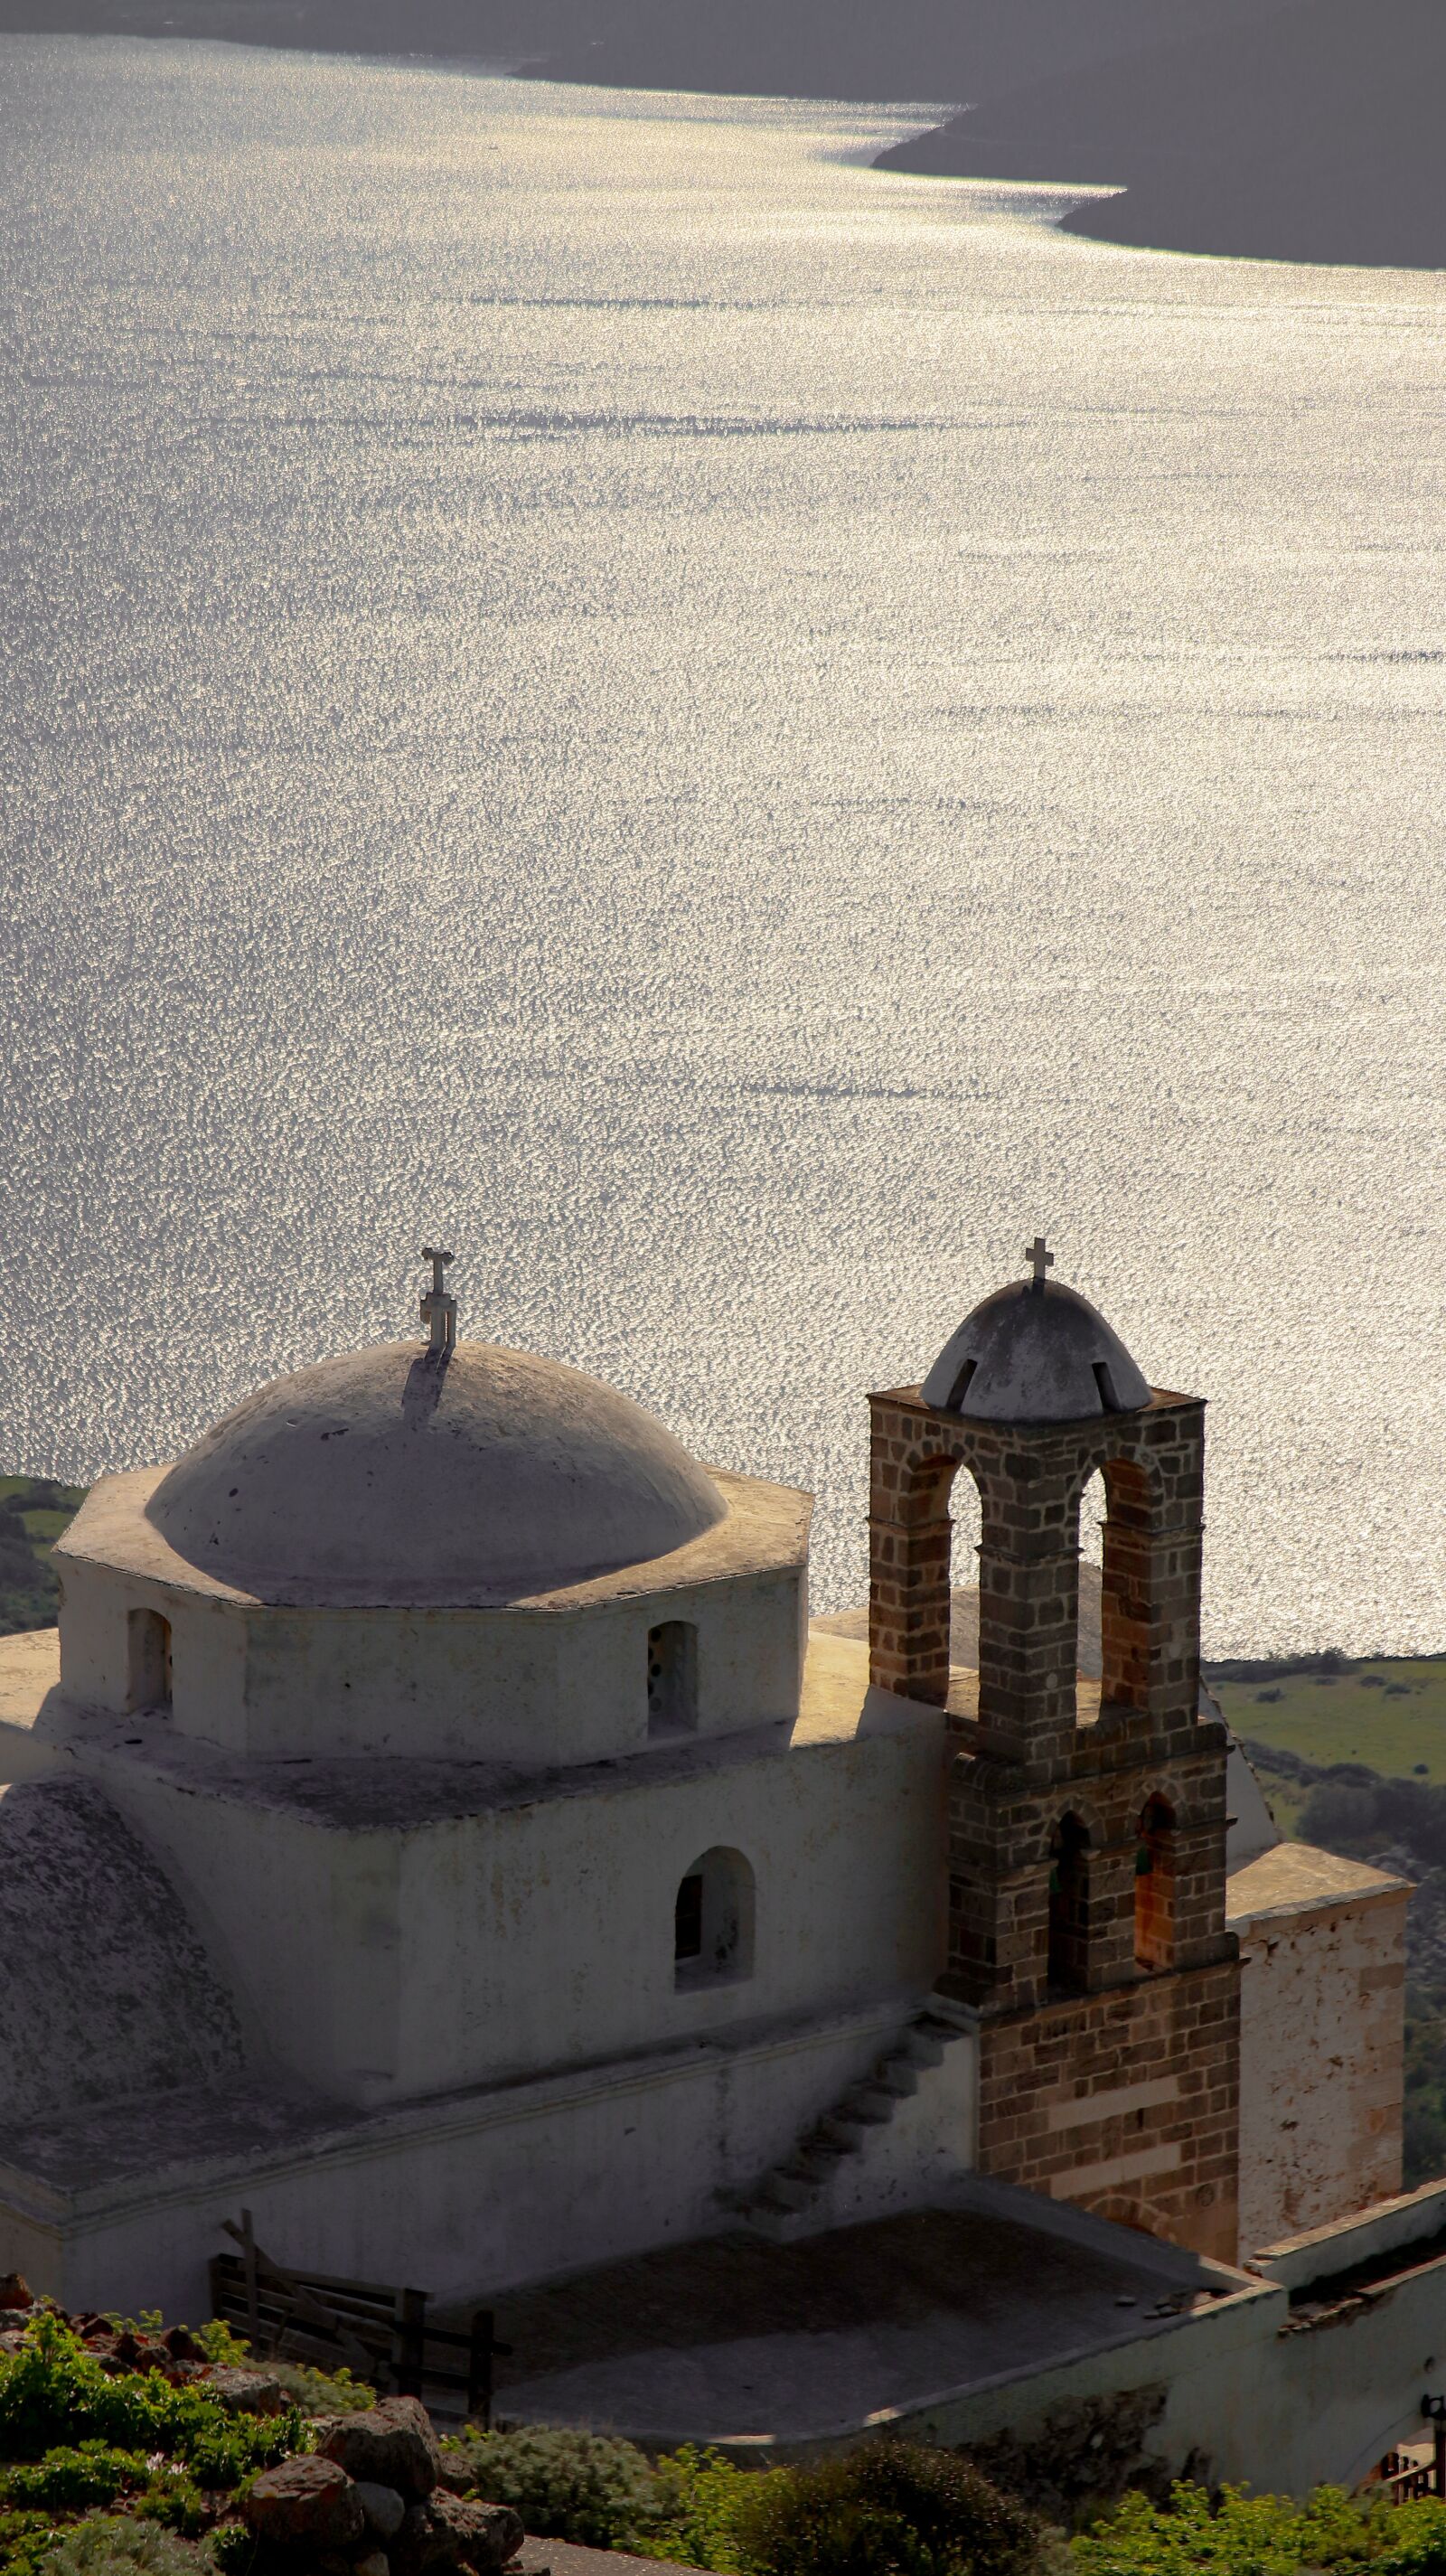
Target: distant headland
1311, 134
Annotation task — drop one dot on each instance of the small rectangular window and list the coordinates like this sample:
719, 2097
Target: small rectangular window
149, 1676
672, 1678
688, 1919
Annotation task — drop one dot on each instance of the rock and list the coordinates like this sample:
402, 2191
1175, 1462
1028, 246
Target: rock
457, 2473
15, 2291
308, 2502
181, 2344
376, 2564
486, 2535
248, 2392
384, 2508
450, 2531
392, 2445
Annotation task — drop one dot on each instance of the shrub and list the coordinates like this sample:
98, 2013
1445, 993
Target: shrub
319, 2392
24, 2537
566, 2485
1245, 2536
314, 2392
700, 2497
887, 2509
67, 2480
109, 2545
1414, 2539
54, 2393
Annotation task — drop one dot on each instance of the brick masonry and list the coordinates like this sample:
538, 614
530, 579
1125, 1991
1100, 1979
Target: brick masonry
1104, 1988
1126, 2103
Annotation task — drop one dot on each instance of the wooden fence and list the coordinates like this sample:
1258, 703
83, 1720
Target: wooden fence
380, 2334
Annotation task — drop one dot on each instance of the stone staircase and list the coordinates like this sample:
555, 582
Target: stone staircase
789, 2201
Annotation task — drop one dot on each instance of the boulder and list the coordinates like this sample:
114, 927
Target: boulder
247, 2392
392, 2445
457, 2472
450, 2531
15, 2291
384, 2508
308, 2503
376, 2563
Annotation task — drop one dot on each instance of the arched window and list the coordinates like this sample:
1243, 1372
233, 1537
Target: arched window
672, 1678
148, 1677
1093, 1521
1069, 1905
1155, 1886
713, 1921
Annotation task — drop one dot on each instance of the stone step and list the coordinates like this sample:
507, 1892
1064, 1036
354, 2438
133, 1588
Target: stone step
846, 2134
897, 2075
783, 2189
824, 2151
921, 2049
786, 2203
781, 2226
870, 2103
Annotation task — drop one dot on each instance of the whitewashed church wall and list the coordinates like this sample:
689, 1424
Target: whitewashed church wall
1320, 2065
545, 1936
387, 1962
478, 2196
545, 1689
208, 1650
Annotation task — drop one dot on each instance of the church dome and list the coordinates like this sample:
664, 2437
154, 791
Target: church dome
1034, 1352
398, 1474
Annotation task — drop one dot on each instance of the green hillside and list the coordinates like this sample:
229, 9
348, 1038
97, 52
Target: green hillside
1389, 1713
33, 1512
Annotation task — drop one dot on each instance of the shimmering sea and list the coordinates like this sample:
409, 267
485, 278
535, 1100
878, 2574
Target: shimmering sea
733, 734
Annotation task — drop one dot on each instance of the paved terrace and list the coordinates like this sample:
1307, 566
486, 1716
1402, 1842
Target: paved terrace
746, 2343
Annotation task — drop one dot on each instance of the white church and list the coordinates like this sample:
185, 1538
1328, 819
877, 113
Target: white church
437, 1826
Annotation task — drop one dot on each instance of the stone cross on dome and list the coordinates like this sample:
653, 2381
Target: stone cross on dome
1040, 1259
439, 1310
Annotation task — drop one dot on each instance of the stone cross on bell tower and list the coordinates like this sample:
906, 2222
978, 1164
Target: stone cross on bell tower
1039, 1258
439, 1310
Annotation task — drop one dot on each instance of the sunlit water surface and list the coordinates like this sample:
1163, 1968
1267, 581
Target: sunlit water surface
732, 734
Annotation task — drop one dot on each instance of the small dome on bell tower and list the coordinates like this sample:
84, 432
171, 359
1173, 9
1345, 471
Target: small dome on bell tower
1035, 1351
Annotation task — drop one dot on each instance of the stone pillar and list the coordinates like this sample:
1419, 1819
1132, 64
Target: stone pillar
910, 1536
1150, 1601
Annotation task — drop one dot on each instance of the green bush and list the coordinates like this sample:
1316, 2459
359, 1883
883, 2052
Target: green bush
24, 2538
566, 2485
67, 2480
109, 2545
54, 2394
1245, 2535
701, 2496
1413, 2538
314, 2392
886, 2509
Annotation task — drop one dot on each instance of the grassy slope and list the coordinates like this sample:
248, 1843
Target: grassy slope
33, 1512
1386, 1713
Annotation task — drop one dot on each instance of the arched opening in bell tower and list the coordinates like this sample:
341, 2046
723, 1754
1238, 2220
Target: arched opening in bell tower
1069, 1906
966, 1517
1094, 1511
1155, 1885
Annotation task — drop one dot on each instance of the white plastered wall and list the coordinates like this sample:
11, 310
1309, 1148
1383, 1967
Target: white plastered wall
473, 2197
1320, 2064
390, 1959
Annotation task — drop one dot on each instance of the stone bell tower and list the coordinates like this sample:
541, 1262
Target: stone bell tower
1086, 1830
